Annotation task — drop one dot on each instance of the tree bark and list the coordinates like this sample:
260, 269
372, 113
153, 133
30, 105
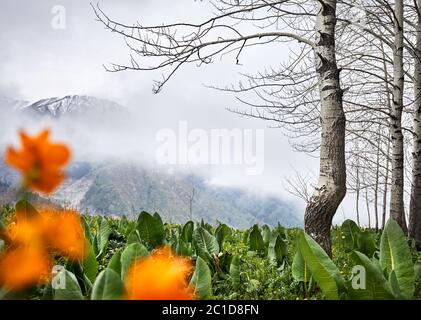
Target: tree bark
331, 187
389, 107
397, 211
376, 184
357, 200
415, 204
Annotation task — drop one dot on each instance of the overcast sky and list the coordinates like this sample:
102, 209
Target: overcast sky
37, 61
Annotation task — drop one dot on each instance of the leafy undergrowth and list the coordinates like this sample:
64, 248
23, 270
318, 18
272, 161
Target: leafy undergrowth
259, 263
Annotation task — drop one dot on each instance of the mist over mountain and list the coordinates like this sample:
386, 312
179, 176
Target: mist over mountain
111, 183
72, 106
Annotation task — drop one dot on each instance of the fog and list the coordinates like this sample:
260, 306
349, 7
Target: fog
38, 61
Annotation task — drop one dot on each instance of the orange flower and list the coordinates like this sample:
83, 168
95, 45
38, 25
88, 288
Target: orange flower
63, 232
39, 161
161, 276
24, 267
25, 232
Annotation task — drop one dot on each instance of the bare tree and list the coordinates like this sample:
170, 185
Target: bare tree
415, 203
311, 23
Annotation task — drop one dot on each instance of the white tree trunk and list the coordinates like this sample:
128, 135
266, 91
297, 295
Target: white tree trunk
397, 211
415, 204
331, 187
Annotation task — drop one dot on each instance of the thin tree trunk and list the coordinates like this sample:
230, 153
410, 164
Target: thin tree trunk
376, 185
386, 184
397, 188
331, 187
357, 201
415, 204
367, 203
389, 107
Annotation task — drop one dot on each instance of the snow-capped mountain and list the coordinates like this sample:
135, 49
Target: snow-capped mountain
72, 105
114, 185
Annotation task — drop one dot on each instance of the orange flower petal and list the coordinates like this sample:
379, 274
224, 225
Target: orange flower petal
63, 232
40, 161
18, 160
161, 276
58, 154
24, 267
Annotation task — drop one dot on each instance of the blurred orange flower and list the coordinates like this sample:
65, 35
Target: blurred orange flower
23, 267
39, 161
161, 276
25, 232
63, 232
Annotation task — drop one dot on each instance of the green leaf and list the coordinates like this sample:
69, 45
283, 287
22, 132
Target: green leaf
151, 229
90, 264
350, 232
115, 262
107, 286
255, 241
202, 279
221, 233
277, 250
366, 243
182, 248
25, 210
66, 286
129, 255
395, 255
134, 237
87, 229
103, 236
321, 266
235, 272
205, 244
376, 285
300, 270
266, 234
187, 232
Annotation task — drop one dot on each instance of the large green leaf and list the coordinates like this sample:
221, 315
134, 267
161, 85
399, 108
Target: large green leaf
107, 286
205, 244
115, 262
187, 232
255, 240
366, 243
202, 279
90, 264
151, 229
129, 255
66, 286
221, 233
103, 236
87, 229
350, 232
182, 248
322, 268
235, 272
395, 255
134, 237
277, 250
376, 285
266, 234
300, 271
